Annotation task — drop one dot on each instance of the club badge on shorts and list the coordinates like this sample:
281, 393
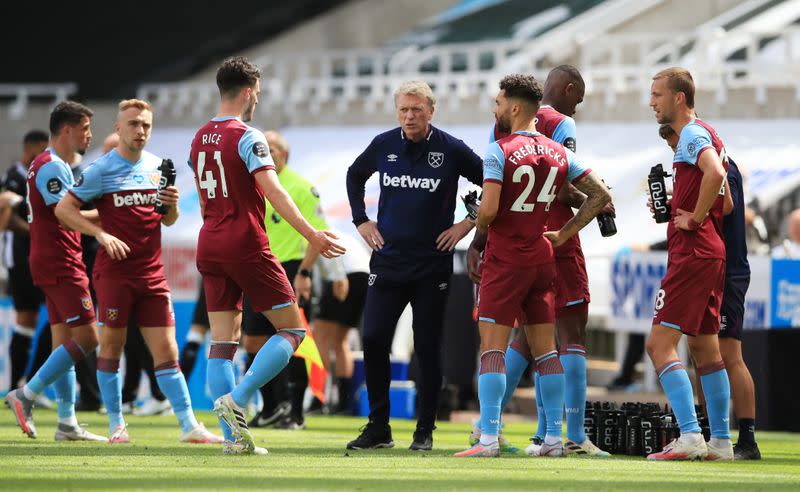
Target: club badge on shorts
86, 302
435, 159
372, 278
112, 314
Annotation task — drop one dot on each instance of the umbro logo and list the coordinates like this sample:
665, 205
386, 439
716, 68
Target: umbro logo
392, 157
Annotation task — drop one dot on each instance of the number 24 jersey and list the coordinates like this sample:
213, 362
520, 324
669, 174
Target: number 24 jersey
225, 156
531, 169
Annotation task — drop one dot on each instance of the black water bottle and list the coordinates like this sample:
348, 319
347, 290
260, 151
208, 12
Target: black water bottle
606, 222
658, 193
168, 176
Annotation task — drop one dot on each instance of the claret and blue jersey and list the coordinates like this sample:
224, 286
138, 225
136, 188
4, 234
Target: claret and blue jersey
531, 168
695, 138
419, 187
124, 193
55, 251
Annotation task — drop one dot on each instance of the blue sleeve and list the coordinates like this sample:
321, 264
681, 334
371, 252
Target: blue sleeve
357, 175
470, 163
53, 181
694, 138
89, 185
494, 163
493, 134
575, 169
566, 134
254, 151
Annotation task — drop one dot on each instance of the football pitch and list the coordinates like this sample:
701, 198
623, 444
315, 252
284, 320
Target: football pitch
315, 459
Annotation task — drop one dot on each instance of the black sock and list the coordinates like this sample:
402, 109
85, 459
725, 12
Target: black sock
345, 385
189, 357
18, 350
747, 429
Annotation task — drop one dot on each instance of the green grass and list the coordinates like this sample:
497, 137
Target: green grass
315, 459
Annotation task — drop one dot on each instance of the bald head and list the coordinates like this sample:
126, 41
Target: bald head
278, 148
794, 226
564, 89
111, 141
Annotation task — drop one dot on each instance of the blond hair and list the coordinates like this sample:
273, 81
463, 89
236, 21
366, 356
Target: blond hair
679, 80
135, 103
416, 88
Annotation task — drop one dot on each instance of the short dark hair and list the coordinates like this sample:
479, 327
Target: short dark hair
524, 87
665, 131
573, 75
67, 113
35, 136
236, 73
679, 80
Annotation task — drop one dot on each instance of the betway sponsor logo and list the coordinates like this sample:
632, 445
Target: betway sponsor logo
136, 198
404, 181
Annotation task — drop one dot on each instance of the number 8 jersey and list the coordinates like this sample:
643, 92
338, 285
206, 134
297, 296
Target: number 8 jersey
225, 156
531, 169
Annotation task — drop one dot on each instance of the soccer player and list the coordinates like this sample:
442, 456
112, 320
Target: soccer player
57, 269
523, 173
234, 174
691, 291
737, 280
128, 275
563, 91
412, 258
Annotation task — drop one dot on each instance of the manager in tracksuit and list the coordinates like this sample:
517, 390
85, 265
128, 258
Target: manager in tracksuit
412, 260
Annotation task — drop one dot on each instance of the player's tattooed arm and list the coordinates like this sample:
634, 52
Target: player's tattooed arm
597, 197
571, 196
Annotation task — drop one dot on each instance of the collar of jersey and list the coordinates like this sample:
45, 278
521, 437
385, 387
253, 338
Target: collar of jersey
428, 138
529, 134
126, 161
224, 118
53, 152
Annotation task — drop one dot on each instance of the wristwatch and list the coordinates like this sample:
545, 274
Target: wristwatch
304, 272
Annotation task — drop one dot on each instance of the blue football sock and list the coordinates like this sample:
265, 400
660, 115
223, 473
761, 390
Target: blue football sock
221, 381
678, 389
551, 379
541, 418
516, 364
491, 387
574, 362
111, 391
54, 367
717, 390
172, 383
269, 361
65, 394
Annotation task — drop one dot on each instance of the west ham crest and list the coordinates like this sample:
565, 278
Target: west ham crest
86, 302
435, 159
112, 314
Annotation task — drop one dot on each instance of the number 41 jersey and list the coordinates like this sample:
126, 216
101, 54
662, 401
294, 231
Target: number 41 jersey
531, 169
225, 156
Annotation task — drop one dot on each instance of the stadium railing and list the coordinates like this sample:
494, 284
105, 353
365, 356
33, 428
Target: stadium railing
19, 95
